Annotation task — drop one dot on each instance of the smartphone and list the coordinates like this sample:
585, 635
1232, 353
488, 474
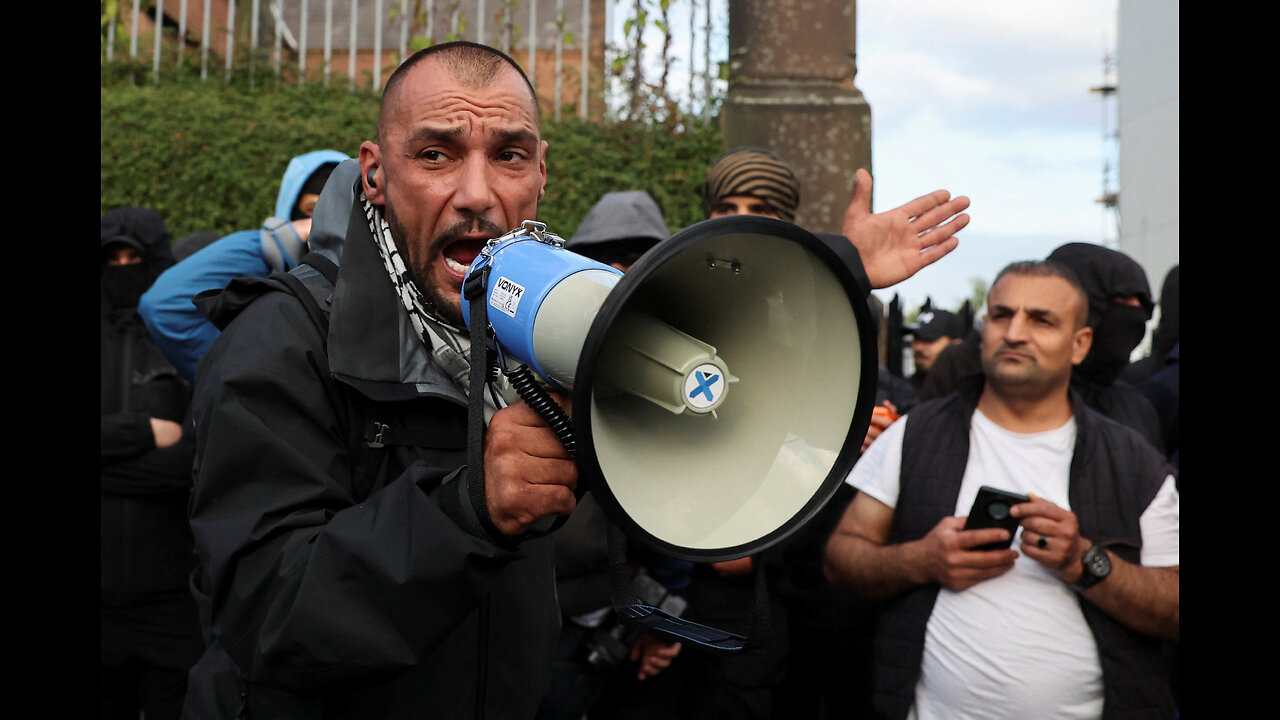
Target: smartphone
991, 509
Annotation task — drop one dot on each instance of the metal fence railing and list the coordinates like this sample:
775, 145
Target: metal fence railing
295, 37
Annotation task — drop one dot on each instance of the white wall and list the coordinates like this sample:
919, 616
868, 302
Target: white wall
1147, 103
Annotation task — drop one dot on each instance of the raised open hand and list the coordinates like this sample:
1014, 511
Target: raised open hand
897, 243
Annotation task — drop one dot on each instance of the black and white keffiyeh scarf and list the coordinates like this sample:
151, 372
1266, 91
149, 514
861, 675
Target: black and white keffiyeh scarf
448, 346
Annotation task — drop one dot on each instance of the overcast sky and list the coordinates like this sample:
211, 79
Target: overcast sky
986, 99
989, 100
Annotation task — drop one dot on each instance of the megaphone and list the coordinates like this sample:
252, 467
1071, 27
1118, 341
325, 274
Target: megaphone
721, 387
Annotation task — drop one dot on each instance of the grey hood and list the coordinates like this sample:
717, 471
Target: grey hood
618, 216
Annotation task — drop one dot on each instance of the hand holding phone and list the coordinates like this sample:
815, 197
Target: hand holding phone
991, 509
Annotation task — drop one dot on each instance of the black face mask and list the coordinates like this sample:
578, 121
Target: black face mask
124, 284
1114, 338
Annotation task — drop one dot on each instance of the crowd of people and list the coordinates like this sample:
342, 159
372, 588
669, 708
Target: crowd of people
301, 517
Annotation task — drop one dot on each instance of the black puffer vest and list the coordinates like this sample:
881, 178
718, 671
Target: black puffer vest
1114, 476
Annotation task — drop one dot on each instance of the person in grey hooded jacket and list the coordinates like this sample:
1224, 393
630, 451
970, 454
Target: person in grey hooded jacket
619, 228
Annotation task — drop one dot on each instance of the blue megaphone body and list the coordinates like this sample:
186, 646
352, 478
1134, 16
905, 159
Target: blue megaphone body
541, 299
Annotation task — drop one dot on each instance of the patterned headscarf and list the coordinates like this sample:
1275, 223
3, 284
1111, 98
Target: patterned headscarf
448, 346
753, 171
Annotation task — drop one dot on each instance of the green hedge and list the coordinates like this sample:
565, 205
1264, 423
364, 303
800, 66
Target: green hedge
209, 156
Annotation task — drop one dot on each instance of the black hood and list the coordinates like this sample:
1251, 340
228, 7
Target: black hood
1165, 336
1104, 273
1117, 328
142, 229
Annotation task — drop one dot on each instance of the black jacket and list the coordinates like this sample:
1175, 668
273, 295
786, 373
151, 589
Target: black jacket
326, 598
145, 544
954, 364
1125, 404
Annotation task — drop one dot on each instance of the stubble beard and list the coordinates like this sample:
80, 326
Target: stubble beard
419, 272
440, 304
1026, 381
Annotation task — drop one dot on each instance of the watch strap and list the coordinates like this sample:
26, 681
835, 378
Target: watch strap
1088, 576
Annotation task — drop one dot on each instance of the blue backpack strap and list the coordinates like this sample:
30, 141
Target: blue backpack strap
281, 244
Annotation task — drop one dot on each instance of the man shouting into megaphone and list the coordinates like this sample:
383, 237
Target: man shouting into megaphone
346, 566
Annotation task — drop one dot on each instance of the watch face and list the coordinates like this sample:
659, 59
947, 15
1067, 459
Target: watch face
1097, 565
1097, 562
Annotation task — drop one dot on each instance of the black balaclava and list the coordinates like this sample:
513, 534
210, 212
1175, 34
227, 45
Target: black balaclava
123, 285
1117, 328
144, 230
1114, 338
314, 184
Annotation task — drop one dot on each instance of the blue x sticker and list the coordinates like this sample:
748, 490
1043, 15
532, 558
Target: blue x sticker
704, 385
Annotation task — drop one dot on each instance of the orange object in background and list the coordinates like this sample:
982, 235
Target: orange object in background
883, 411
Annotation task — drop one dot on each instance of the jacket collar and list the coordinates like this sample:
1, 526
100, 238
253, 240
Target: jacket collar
372, 343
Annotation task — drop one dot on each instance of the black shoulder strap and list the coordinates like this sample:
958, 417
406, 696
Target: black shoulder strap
324, 265
628, 606
313, 281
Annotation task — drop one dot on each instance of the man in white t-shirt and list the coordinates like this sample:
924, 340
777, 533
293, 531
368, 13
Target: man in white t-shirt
1067, 623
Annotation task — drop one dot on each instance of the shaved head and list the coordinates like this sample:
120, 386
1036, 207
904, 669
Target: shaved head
459, 161
471, 64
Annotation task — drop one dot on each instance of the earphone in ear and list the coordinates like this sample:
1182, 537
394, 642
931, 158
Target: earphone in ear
369, 177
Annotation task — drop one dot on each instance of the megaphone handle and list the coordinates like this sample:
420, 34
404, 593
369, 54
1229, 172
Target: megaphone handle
527, 387
475, 288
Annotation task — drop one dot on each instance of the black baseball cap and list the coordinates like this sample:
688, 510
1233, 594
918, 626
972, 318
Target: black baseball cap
116, 234
932, 324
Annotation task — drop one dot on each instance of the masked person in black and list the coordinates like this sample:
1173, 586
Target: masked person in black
1156, 375
150, 631
1120, 305
1163, 339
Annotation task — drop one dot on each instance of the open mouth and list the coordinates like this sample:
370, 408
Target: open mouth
459, 254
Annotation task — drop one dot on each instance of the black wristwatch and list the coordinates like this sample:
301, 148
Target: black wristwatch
1097, 565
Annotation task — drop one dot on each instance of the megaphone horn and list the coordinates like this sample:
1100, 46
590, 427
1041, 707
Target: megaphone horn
721, 387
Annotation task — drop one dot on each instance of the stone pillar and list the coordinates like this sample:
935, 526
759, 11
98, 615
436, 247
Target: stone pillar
791, 70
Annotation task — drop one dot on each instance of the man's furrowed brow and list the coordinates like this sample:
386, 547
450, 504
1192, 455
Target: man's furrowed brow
435, 134
516, 137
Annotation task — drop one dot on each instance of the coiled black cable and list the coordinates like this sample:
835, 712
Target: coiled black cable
532, 393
